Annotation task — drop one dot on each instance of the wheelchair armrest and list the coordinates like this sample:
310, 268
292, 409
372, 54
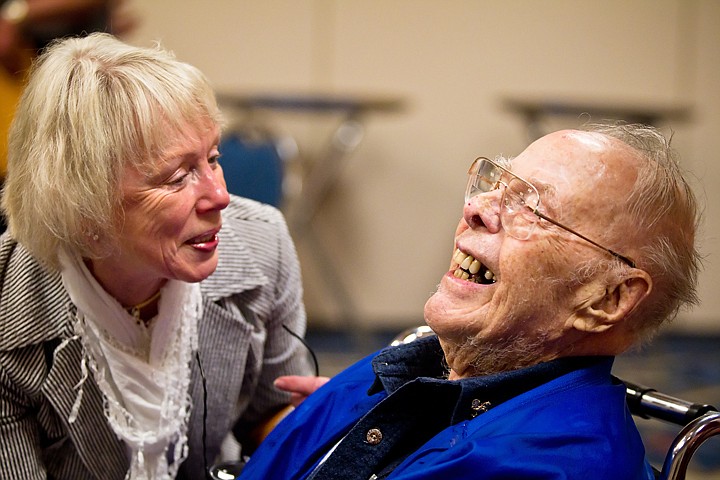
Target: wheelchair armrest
647, 402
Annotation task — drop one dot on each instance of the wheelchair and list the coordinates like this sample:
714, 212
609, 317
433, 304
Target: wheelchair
699, 422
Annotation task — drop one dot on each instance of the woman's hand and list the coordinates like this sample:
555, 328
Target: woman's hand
299, 386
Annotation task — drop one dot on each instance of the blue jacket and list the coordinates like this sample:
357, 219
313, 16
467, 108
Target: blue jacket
576, 426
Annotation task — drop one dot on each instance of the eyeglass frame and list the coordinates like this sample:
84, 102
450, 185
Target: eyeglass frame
496, 184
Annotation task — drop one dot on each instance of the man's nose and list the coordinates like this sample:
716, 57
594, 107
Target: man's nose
483, 211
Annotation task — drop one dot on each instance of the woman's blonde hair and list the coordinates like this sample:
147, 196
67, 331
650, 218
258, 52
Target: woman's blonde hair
93, 107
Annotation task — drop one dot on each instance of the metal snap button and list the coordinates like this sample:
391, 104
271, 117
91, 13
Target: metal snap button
374, 436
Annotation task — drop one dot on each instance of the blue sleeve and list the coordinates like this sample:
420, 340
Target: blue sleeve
304, 436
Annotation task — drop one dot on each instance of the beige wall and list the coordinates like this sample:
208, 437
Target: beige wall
388, 226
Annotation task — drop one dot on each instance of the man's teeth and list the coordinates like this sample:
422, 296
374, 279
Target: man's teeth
471, 269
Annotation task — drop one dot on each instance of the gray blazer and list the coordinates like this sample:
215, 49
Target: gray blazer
242, 346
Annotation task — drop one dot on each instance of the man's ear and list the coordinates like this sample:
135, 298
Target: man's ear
613, 305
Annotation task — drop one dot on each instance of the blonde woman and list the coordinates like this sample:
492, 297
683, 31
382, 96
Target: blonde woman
143, 309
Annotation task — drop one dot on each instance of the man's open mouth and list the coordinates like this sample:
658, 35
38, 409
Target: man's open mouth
471, 269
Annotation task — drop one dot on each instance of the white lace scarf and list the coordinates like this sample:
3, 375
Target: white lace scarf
143, 373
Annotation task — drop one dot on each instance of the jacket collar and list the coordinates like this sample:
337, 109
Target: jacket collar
236, 271
420, 364
34, 306
96, 443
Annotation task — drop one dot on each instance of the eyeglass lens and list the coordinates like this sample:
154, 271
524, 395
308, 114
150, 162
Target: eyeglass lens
519, 203
519, 200
484, 177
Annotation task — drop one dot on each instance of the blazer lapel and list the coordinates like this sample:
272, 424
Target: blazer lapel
32, 292
96, 443
223, 348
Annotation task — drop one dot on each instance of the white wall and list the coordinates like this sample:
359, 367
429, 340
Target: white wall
389, 224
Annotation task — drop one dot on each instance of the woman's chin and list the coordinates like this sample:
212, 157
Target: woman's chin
197, 272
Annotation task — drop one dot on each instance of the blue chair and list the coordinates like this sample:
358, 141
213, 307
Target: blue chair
253, 168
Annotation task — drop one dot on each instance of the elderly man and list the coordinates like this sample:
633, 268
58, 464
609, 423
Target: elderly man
566, 256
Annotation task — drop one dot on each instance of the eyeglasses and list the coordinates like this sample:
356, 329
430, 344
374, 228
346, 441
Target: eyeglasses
519, 204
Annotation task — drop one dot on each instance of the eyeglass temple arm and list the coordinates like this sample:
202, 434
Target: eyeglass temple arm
622, 258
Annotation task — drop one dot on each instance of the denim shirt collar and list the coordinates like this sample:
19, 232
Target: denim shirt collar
422, 361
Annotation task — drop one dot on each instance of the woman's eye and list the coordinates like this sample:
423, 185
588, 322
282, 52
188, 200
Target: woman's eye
214, 159
178, 179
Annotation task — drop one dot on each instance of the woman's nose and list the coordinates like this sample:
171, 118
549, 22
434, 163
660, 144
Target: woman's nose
214, 194
483, 211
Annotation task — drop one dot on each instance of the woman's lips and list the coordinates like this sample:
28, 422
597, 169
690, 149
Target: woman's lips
207, 241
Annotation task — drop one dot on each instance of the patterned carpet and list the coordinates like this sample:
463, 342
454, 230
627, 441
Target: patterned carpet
686, 367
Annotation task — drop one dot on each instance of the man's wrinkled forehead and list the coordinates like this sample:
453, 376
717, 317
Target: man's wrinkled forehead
572, 168
564, 156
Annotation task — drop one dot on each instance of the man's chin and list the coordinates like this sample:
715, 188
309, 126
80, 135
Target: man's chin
448, 329
448, 315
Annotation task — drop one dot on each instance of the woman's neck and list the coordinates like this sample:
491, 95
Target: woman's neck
129, 292
145, 310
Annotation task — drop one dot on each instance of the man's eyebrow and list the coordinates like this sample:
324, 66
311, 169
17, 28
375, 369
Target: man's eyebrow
548, 195
541, 185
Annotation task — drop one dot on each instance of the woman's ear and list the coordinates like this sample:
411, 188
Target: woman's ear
614, 305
